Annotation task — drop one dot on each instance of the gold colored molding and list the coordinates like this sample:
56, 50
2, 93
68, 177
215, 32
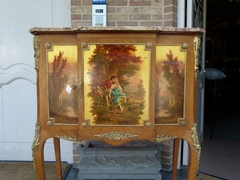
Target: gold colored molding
83, 45
36, 46
148, 124
163, 138
196, 144
49, 123
197, 43
35, 144
183, 123
116, 136
47, 45
84, 124
185, 45
69, 138
149, 45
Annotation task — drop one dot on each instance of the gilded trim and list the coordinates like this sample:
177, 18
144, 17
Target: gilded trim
196, 144
148, 124
36, 46
83, 45
47, 45
116, 136
49, 123
163, 138
149, 45
197, 42
69, 138
35, 144
185, 45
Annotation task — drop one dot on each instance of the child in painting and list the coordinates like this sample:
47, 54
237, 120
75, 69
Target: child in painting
116, 94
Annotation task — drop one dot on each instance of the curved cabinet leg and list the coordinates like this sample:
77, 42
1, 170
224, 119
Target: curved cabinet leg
194, 154
38, 153
56, 142
193, 164
175, 157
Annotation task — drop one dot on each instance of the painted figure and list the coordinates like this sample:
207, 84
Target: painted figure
104, 89
116, 94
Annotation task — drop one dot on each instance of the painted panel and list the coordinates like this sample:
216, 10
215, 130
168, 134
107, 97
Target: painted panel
62, 77
116, 84
170, 84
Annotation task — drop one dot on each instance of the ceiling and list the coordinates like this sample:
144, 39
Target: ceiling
222, 14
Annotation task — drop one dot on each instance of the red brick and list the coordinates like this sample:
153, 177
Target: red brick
150, 23
168, 16
170, 2
157, 3
76, 3
167, 153
157, 17
81, 10
139, 17
86, 2
117, 2
75, 152
111, 23
150, 10
168, 9
81, 23
166, 160
169, 24
140, 3
76, 158
87, 17
121, 17
76, 17
111, 9
174, 24
127, 23
127, 10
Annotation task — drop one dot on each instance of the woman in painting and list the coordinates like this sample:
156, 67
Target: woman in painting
103, 90
116, 95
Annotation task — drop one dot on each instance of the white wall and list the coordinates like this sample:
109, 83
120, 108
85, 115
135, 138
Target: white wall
18, 109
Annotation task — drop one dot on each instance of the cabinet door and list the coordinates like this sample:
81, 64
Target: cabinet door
116, 94
175, 80
58, 77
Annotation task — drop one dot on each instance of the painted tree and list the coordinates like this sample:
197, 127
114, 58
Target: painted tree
158, 69
109, 60
57, 81
175, 78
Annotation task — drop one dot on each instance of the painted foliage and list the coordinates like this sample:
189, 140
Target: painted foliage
170, 84
116, 84
62, 73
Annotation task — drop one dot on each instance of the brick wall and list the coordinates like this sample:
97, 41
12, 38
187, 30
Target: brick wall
130, 13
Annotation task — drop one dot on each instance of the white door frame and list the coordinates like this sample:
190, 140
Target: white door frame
184, 149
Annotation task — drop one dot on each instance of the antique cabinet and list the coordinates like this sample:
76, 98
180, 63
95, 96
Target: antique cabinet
116, 84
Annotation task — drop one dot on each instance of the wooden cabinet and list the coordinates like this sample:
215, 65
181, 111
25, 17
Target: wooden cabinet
116, 84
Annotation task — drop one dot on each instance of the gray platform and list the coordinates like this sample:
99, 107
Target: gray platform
134, 160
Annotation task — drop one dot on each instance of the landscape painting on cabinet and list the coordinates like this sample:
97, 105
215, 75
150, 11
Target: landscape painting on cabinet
62, 75
116, 84
170, 84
